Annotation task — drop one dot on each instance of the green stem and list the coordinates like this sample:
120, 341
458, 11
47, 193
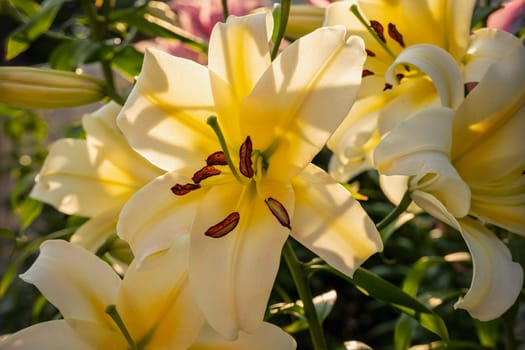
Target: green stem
394, 214
371, 30
285, 13
98, 33
301, 283
225, 12
111, 310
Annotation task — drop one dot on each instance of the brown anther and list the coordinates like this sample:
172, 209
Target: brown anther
279, 211
469, 87
399, 76
387, 87
224, 227
370, 53
180, 190
205, 173
217, 158
245, 155
366, 73
378, 28
395, 34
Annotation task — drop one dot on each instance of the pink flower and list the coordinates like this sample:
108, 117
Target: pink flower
510, 18
198, 17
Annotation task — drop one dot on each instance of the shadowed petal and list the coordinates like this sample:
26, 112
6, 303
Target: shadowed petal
328, 221
496, 281
267, 336
76, 181
59, 335
154, 216
94, 232
77, 282
155, 297
232, 276
164, 118
312, 86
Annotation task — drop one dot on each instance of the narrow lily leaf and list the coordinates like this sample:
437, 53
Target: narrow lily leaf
72, 54
405, 326
376, 287
150, 21
12, 270
488, 332
24, 35
28, 8
417, 273
28, 211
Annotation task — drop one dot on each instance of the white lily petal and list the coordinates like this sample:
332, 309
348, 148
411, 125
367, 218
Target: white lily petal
76, 180
439, 65
154, 216
56, 274
104, 136
328, 221
94, 232
232, 276
487, 47
394, 188
312, 86
483, 112
155, 297
165, 114
428, 131
497, 151
239, 51
58, 335
267, 336
496, 280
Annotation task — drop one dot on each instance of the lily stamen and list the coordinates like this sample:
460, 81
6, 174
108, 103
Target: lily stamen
372, 30
245, 155
224, 227
180, 190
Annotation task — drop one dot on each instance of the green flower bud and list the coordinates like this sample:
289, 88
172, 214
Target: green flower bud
28, 87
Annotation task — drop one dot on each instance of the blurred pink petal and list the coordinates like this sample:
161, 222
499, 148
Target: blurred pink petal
510, 18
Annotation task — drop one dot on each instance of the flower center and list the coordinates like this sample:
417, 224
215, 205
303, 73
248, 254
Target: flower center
377, 30
248, 157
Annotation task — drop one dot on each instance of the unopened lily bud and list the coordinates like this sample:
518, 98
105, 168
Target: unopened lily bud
303, 20
28, 87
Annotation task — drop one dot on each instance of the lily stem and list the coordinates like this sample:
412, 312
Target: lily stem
225, 11
394, 214
97, 25
285, 13
297, 271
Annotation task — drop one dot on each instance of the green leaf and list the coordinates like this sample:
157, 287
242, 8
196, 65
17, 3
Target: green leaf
374, 286
24, 252
128, 62
405, 326
28, 8
7, 233
154, 23
72, 54
29, 210
418, 271
23, 36
481, 13
488, 332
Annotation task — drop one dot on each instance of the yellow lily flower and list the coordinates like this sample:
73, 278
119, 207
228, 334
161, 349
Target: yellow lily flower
151, 308
389, 28
243, 185
93, 177
468, 162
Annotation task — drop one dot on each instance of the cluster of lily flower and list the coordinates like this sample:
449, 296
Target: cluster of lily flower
205, 172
